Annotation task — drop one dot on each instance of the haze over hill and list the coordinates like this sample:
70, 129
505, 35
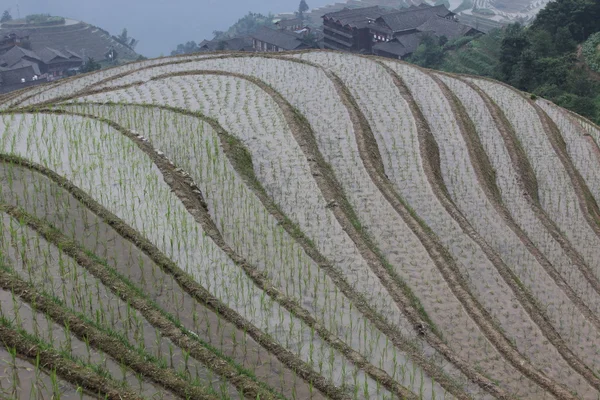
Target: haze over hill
160, 24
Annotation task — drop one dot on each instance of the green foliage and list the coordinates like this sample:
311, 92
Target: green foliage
429, 53
126, 40
580, 17
44, 19
90, 65
6, 16
186, 48
303, 7
245, 26
591, 52
541, 59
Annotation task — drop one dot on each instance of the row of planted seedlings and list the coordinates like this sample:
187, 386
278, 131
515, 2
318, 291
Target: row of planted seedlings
255, 234
555, 187
66, 87
377, 216
269, 167
580, 145
306, 206
49, 271
187, 95
38, 329
513, 184
466, 189
220, 178
28, 379
79, 223
41, 359
115, 172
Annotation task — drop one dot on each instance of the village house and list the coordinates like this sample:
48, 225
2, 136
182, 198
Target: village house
352, 29
11, 40
270, 40
389, 33
19, 65
292, 25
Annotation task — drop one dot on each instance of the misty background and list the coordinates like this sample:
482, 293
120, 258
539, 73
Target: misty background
159, 25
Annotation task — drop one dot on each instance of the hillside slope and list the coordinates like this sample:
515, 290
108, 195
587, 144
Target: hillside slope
300, 225
80, 37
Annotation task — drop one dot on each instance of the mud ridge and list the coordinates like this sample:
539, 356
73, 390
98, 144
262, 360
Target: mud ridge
69, 370
98, 339
486, 178
444, 260
232, 149
524, 175
196, 206
332, 191
187, 283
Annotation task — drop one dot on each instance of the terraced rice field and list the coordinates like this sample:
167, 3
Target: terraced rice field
296, 226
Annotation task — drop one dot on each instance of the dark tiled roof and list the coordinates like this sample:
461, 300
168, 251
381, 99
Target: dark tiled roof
239, 43
73, 55
392, 47
410, 41
15, 55
289, 22
443, 27
87, 40
412, 18
357, 17
27, 64
283, 39
48, 54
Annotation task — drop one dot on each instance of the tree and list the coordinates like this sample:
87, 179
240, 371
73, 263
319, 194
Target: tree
311, 40
90, 65
429, 54
6, 16
302, 8
513, 45
126, 40
580, 17
186, 48
245, 26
